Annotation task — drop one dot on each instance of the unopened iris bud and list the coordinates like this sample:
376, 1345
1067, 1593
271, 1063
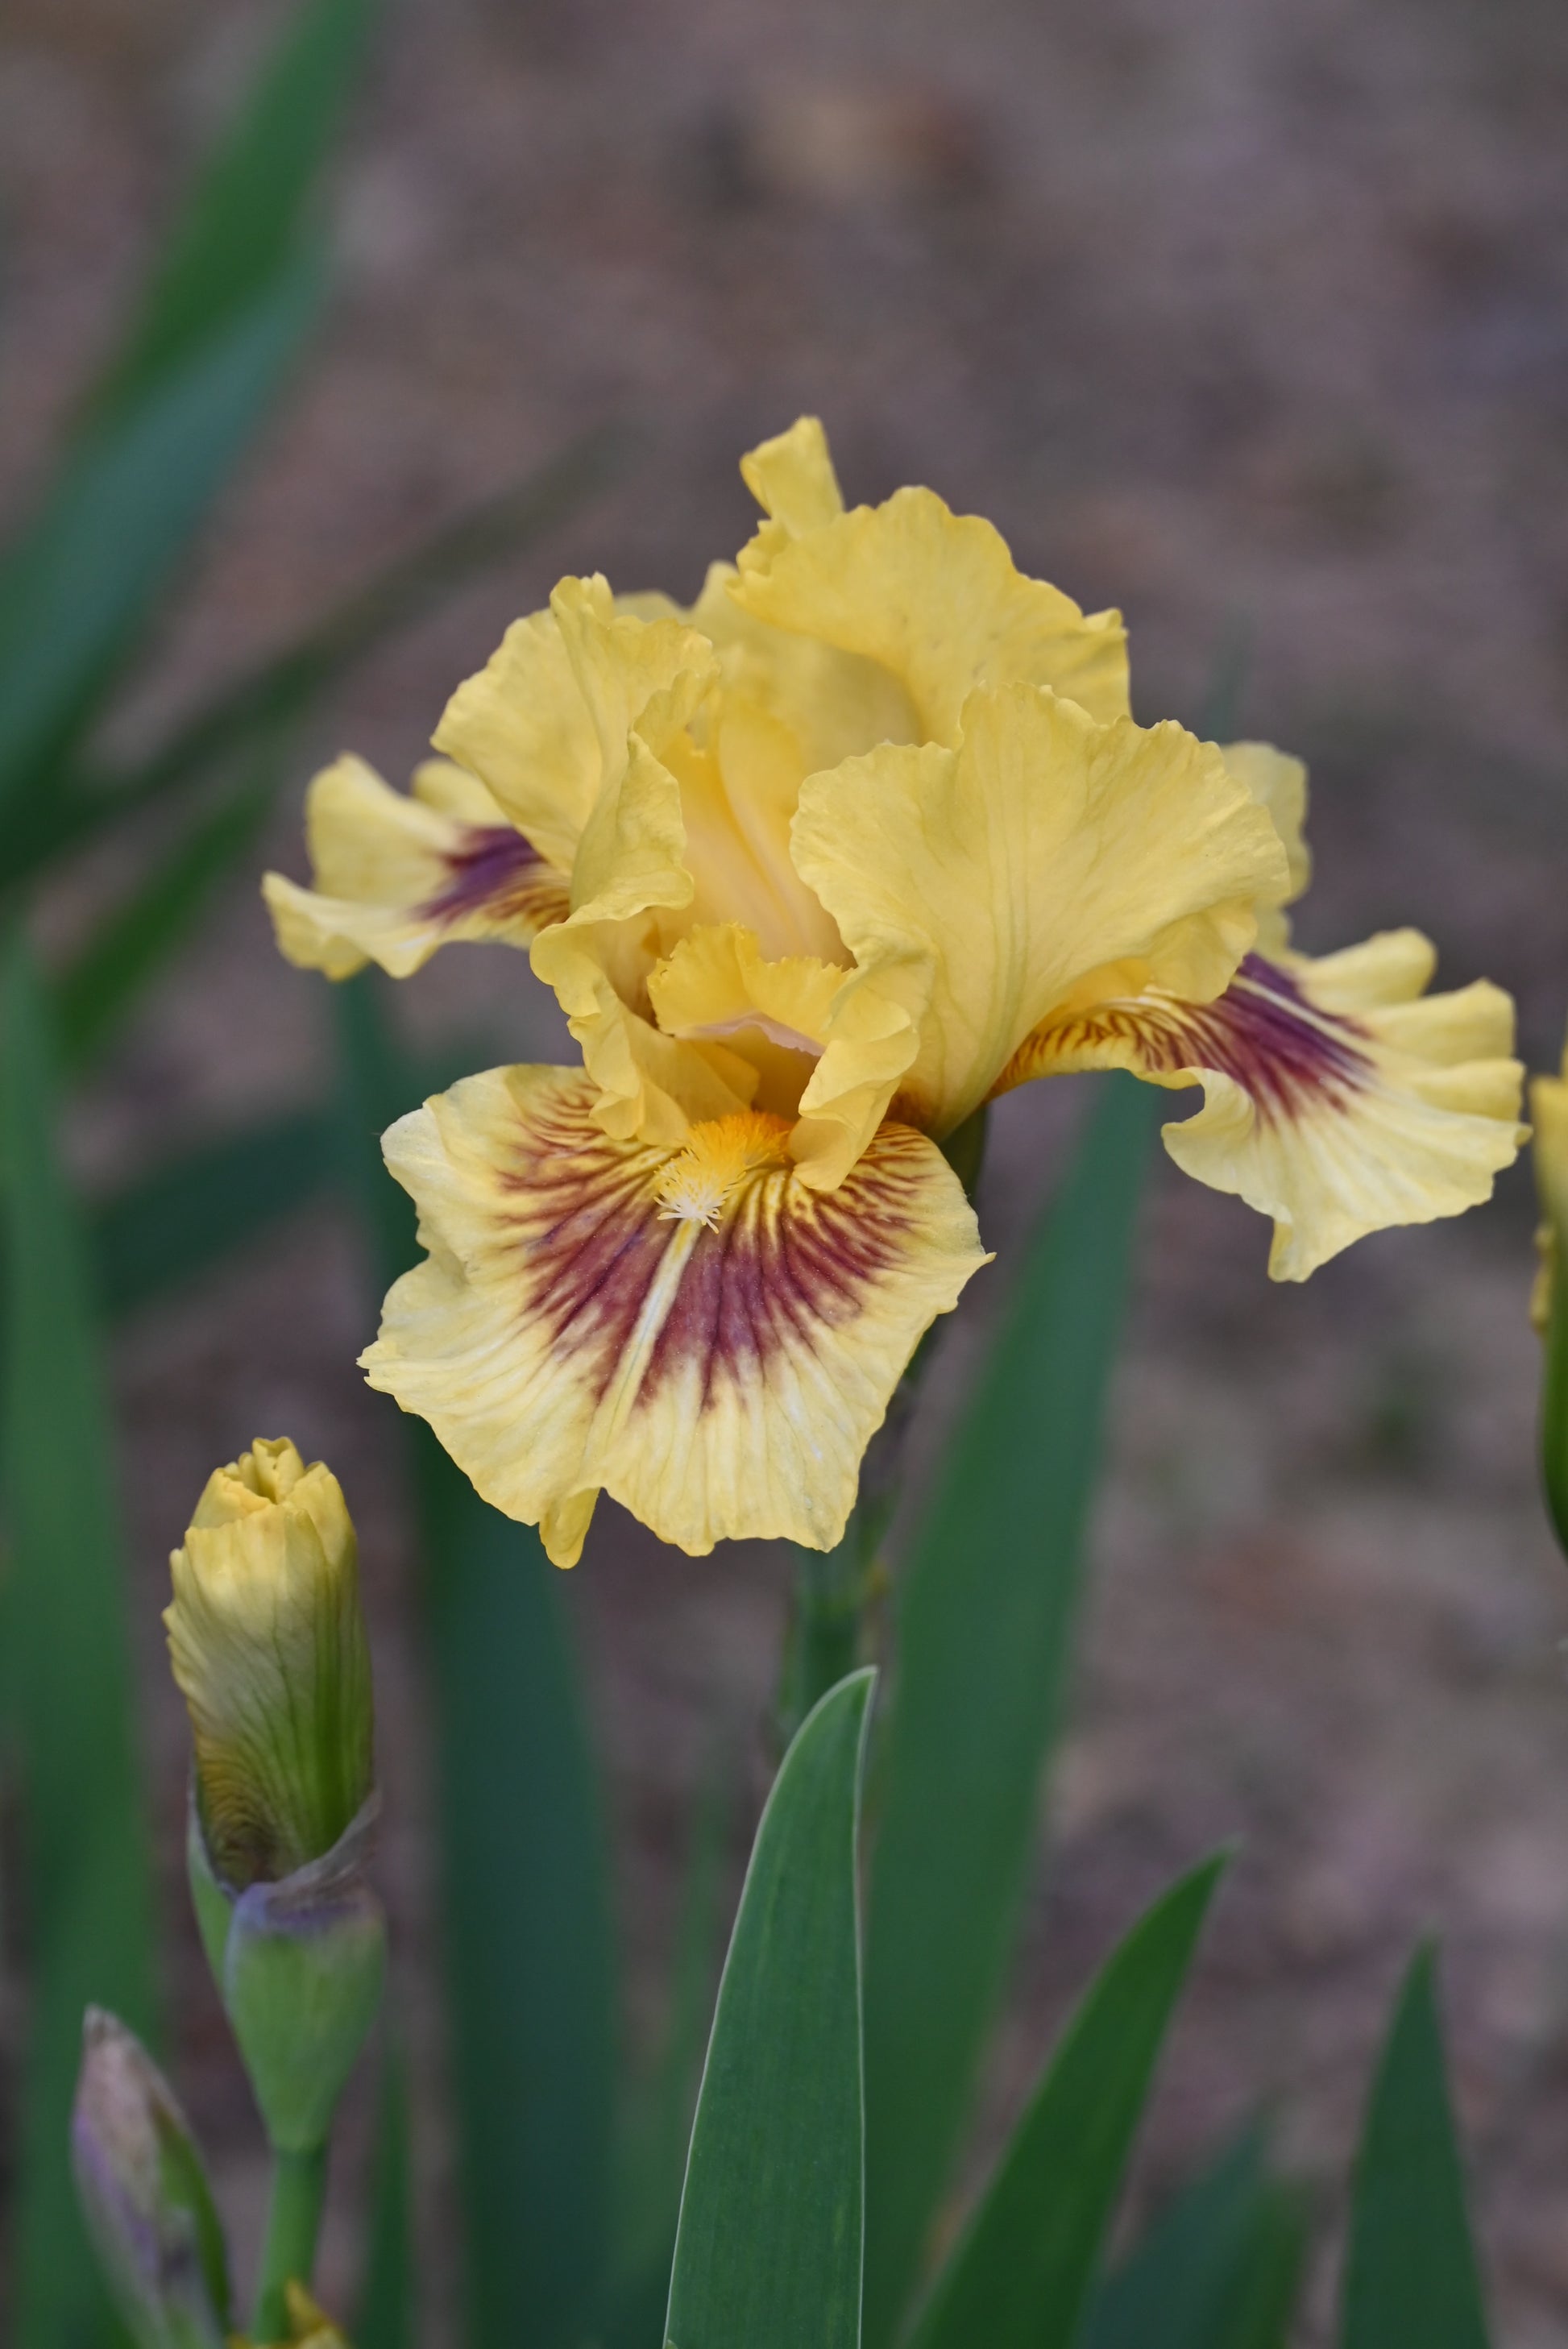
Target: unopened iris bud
145, 2196
267, 1642
268, 1646
1548, 1114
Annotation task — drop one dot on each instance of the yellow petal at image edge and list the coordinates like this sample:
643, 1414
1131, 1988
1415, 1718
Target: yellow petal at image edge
570, 1331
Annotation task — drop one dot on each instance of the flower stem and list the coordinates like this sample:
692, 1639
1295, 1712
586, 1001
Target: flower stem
831, 1591
294, 2223
834, 1589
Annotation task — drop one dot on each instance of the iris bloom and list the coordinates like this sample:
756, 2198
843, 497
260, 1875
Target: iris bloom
817, 868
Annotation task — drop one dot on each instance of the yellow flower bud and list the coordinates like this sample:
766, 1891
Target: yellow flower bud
267, 1643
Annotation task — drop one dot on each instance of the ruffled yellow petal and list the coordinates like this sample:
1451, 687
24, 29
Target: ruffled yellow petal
649, 1086
693, 1331
544, 723
1337, 1099
1278, 782
640, 681
934, 596
397, 877
978, 887
791, 477
835, 704
717, 986
522, 724
738, 799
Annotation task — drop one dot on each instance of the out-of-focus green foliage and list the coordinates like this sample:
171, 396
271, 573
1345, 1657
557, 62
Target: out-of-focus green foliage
1410, 2269
68, 1679
768, 2249
530, 1966
1022, 2274
1217, 2269
986, 1614
388, 2316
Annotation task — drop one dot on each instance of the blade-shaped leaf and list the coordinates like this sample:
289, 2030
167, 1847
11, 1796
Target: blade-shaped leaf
768, 2251
242, 221
657, 2127
100, 990
82, 582
387, 2317
525, 1905
173, 1225
68, 1683
1217, 2270
1410, 2269
985, 1616
1022, 2272
281, 688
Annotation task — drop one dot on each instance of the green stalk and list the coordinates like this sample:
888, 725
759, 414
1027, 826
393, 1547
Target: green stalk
835, 1589
294, 2223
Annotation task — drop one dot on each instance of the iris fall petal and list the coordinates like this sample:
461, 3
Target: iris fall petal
1338, 1098
397, 877
693, 1331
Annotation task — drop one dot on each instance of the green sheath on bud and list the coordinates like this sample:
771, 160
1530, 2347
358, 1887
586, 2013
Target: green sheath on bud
144, 2195
300, 1966
268, 1646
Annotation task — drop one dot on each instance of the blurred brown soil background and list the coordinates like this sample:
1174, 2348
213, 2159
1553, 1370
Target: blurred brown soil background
1231, 314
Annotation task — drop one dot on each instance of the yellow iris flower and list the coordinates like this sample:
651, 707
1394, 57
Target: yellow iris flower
815, 869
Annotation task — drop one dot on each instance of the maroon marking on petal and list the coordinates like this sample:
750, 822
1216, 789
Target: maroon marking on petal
785, 1261
498, 872
1264, 1032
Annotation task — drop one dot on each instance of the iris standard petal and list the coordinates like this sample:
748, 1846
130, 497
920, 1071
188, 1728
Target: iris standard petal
791, 477
936, 598
978, 887
1339, 1099
397, 876
1278, 782
693, 1331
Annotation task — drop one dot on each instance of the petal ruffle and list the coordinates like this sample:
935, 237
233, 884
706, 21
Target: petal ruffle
1277, 782
397, 877
544, 723
640, 681
1338, 1099
717, 985
979, 888
694, 1329
791, 477
836, 704
933, 595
